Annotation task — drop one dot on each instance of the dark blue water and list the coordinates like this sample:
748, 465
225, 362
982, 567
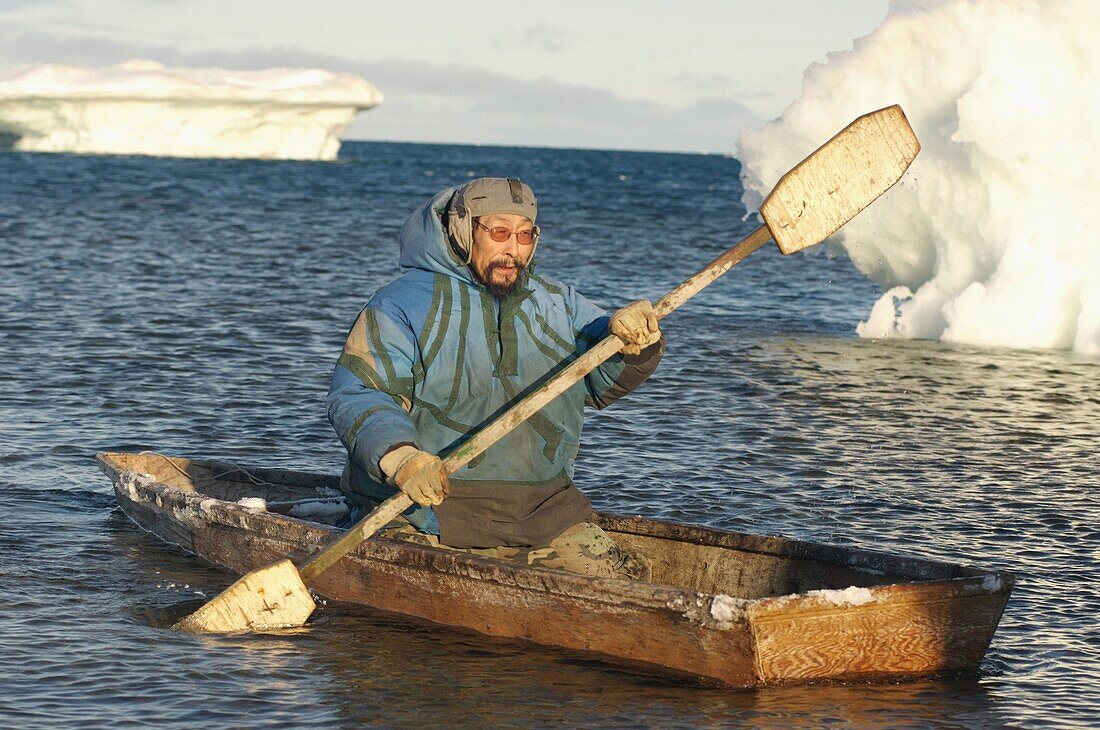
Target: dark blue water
196, 308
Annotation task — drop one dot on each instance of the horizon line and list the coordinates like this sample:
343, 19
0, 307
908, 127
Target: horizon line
698, 153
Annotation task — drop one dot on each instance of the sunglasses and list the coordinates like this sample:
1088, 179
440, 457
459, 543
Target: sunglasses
500, 234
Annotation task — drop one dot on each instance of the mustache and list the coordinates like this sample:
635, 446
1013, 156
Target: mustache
505, 262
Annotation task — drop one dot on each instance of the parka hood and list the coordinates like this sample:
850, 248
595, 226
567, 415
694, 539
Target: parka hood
424, 243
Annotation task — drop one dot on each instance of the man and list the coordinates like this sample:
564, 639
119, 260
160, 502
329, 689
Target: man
439, 352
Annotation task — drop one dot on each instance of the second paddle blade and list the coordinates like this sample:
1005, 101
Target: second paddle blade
272, 597
840, 179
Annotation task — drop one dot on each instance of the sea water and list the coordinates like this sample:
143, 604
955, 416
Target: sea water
197, 308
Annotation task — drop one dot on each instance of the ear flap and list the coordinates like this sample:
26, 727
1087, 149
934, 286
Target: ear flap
460, 228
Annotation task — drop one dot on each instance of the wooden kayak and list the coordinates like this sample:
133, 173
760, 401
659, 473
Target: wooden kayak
743, 610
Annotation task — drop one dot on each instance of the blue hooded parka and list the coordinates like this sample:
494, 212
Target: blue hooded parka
433, 357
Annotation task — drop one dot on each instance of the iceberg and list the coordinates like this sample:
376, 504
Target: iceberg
145, 108
993, 237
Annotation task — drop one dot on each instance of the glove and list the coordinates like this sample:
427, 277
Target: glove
637, 325
416, 473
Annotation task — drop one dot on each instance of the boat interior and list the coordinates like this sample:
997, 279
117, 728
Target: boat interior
695, 558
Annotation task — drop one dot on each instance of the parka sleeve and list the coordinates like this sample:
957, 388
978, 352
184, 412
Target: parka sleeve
372, 389
619, 374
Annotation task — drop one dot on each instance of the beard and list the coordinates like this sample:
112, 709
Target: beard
497, 286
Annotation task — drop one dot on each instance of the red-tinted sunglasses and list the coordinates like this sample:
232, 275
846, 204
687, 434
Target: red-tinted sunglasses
500, 234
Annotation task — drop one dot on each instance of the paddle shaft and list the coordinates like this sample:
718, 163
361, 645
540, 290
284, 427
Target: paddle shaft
531, 404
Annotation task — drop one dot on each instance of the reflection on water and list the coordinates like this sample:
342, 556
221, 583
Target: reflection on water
470, 680
196, 307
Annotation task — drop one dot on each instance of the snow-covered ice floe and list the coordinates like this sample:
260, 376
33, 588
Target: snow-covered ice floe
991, 237
144, 108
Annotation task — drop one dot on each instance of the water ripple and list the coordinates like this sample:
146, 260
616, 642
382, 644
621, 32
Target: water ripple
196, 307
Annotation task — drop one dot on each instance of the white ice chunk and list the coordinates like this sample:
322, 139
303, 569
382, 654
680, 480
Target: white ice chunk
144, 108
994, 232
726, 609
883, 321
850, 596
254, 503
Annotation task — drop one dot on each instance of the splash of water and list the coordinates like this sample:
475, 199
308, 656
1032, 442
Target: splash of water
992, 236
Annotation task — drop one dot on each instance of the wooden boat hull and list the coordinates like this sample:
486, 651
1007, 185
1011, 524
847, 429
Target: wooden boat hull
737, 609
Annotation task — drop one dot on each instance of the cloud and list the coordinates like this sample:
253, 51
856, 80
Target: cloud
445, 102
19, 45
715, 83
547, 37
9, 5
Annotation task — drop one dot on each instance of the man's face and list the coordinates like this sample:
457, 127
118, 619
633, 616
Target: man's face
499, 265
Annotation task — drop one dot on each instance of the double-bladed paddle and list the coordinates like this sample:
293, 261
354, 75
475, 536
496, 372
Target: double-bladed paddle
808, 204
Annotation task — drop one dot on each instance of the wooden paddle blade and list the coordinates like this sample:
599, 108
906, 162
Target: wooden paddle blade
269, 598
840, 179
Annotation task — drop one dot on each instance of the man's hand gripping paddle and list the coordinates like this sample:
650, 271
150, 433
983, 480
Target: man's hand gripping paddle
808, 204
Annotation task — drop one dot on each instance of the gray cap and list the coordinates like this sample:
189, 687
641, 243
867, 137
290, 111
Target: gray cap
486, 196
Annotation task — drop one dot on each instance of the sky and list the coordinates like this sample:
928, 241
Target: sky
614, 74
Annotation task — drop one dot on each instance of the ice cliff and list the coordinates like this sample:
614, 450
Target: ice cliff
993, 236
144, 108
